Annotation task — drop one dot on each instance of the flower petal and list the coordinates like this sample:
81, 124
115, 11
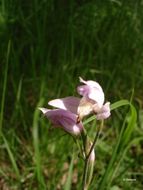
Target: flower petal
83, 90
71, 126
92, 91
97, 96
43, 110
69, 103
91, 83
65, 119
105, 112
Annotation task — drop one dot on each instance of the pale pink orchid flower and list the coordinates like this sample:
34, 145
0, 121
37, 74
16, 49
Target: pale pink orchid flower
92, 91
81, 107
92, 100
63, 119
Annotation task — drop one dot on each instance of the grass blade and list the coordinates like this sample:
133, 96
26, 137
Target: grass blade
130, 126
123, 139
133, 142
69, 179
4, 87
12, 157
119, 104
36, 143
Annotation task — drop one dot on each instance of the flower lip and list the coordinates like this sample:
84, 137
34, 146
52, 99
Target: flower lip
104, 113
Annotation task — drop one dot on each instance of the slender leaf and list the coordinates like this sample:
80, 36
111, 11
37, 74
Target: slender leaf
69, 178
12, 157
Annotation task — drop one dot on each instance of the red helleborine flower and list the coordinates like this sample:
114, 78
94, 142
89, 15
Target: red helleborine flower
92, 100
71, 109
63, 119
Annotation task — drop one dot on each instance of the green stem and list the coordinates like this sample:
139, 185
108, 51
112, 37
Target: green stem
85, 184
84, 187
95, 139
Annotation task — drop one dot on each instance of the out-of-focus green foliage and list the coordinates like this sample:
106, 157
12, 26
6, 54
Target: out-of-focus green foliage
45, 45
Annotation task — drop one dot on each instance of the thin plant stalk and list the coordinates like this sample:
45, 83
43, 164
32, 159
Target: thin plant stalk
4, 86
85, 183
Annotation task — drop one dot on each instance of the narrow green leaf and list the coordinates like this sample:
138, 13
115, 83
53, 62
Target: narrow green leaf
119, 104
11, 156
69, 179
36, 139
122, 141
4, 86
130, 126
121, 158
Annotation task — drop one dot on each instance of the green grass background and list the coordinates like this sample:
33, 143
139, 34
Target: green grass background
45, 45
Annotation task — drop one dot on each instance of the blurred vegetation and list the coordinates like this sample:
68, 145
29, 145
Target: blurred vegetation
45, 46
